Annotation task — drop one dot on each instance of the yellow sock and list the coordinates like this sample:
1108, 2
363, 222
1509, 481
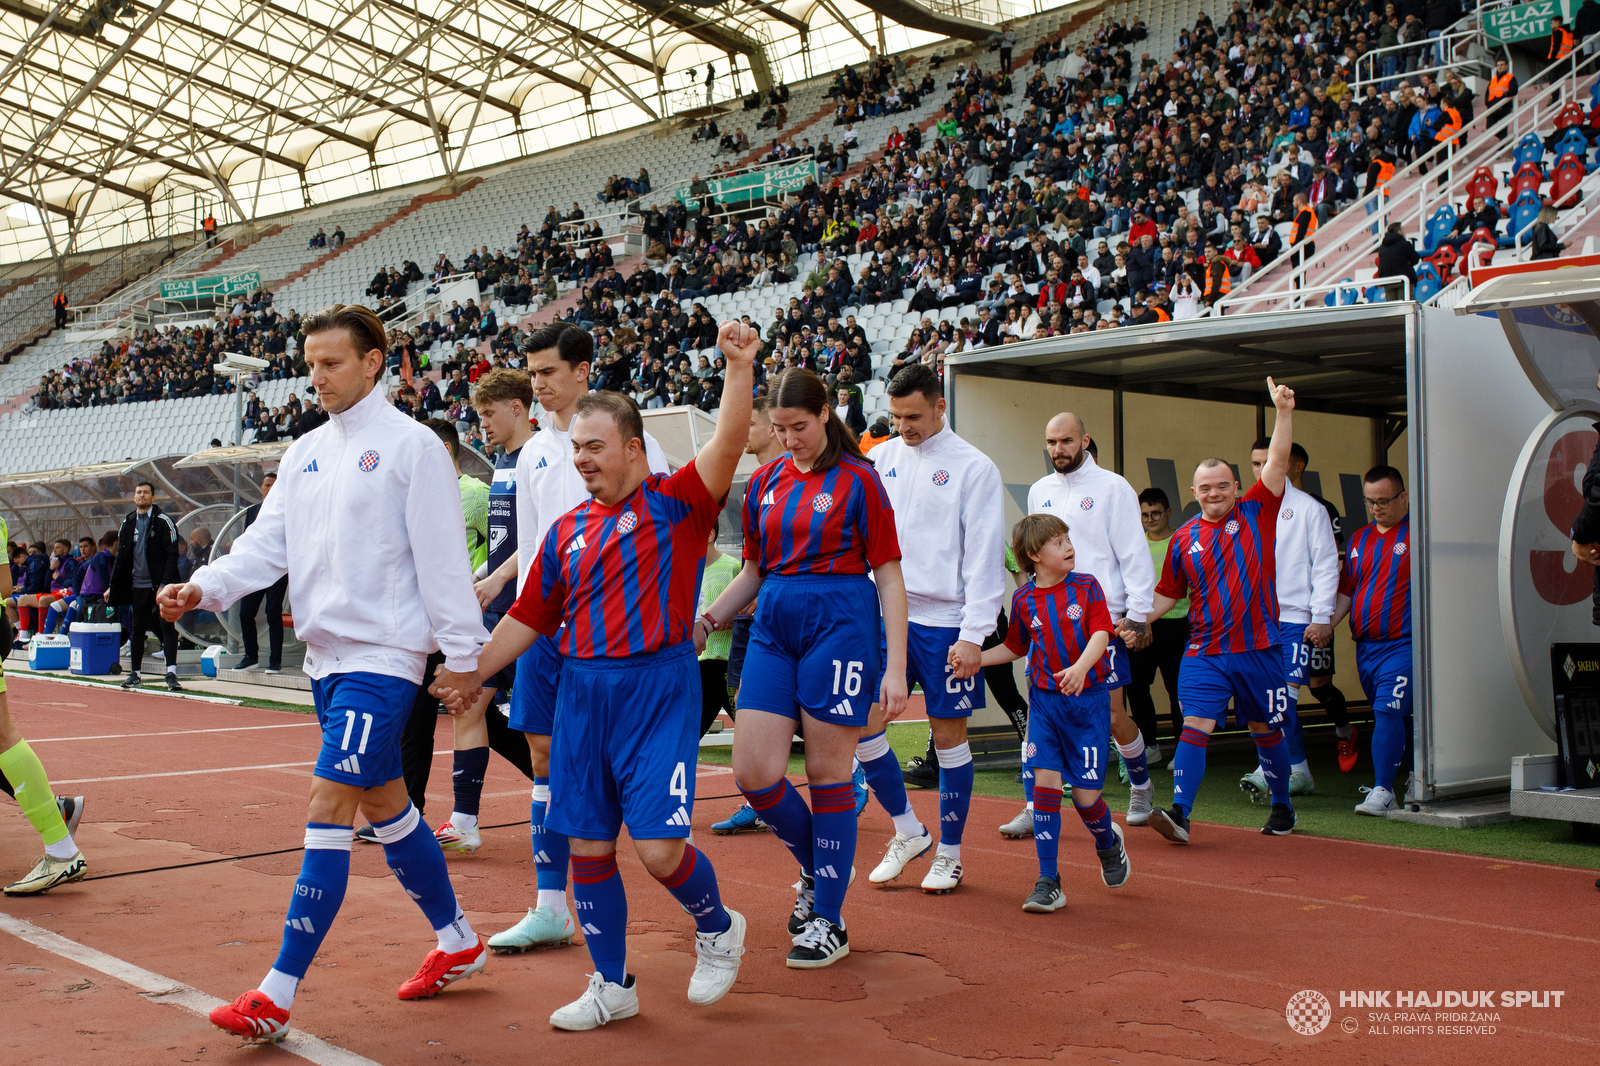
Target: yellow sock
26, 774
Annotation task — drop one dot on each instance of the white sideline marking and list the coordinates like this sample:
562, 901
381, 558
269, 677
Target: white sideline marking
174, 733
181, 773
159, 989
106, 686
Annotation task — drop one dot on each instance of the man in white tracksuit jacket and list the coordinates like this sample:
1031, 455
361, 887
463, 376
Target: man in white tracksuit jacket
1308, 584
548, 486
1101, 511
355, 521
949, 516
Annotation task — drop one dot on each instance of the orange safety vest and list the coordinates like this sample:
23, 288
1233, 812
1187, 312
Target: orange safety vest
1215, 285
1306, 233
210, 224
61, 301
1565, 47
1499, 86
1385, 172
1452, 125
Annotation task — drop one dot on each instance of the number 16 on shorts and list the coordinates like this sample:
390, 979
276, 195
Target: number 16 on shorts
846, 682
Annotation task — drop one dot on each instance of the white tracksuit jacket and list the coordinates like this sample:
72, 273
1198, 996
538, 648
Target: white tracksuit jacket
1308, 560
950, 518
549, 485
365, 519
1101, 510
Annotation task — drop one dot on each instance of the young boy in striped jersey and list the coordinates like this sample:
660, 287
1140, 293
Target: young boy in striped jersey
1061, 622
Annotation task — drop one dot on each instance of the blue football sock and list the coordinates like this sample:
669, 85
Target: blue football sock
1292, 731
694, 884
1388, 746
1047, 829
955, 792
1097, 818
1188, 768
781, 807
883, 774
1274, 756
597, 889
318, 892
413, 854
467, 777
550, 850
1133, 757
833, 822
1027, 784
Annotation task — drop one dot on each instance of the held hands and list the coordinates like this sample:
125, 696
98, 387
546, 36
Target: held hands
458, 692
739, 342
1282, 396
966, 659
1136, 635
175, 601
1319, 634
1071, 680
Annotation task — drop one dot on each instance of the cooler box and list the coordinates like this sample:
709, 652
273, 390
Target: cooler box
49, 653
211, 659
95, 647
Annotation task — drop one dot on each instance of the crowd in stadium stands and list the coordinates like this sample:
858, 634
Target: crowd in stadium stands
1253, 119
174, 362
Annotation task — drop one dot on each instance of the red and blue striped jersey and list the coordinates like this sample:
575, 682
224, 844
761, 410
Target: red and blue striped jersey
1377, 578
1229, 572
834, 521
623, 580
1053, 625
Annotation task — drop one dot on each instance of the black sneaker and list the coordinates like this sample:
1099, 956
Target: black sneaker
1282, 821
805, 896
132, 680
71, 808
820, 943
921, 773
1173, 824
368, 834
172, 683
1046, 896
1115, 869
246, 663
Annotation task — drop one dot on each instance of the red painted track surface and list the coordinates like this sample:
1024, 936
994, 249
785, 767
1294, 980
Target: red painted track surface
1193, 962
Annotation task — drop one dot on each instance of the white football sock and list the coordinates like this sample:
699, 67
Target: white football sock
554, 898
463, 821
62, 849
952, 850
280, 988
907, 824
1300, 768
457, 936
1343, 731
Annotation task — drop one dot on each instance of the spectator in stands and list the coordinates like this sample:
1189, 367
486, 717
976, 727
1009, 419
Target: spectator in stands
1542, 238
1397, 258
318, 239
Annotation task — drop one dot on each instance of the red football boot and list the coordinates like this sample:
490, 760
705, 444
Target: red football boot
253, 1016
440, 969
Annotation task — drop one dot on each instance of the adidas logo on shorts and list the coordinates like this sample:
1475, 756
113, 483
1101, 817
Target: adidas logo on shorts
302, 924
827, 871
679, 817
591, 929
842, 707
965, 704
352, 765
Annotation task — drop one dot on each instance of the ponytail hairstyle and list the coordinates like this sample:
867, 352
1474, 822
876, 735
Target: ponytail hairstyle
802, 390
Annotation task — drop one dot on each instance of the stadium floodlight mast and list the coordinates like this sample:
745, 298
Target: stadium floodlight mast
236, 365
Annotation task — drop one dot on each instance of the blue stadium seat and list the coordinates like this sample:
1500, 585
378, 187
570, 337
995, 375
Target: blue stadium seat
1529, 150
1577, 144
1524, 210
1439, 226
1428, 284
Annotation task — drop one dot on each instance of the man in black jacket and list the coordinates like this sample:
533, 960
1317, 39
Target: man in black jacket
1397, 259
147, 558
272, 596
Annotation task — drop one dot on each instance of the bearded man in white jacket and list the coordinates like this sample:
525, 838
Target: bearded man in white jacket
354, 520
950, 519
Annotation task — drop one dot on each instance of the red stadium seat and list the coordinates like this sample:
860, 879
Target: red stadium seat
1481, 183
1565, 180
1569, 117
1528, 176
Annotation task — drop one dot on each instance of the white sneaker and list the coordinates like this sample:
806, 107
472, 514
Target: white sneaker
23, 636
465, 841
603, 1001
1379, 802
1020, 826
943, 876
1141, 801
716, 962
902, 849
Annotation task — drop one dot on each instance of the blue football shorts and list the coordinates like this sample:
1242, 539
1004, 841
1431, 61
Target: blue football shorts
814, 648
362, 716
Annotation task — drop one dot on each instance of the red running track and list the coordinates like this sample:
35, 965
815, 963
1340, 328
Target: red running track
1194, 962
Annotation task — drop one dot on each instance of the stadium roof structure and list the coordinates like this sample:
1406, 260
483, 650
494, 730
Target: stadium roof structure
1343, 360
135, 113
